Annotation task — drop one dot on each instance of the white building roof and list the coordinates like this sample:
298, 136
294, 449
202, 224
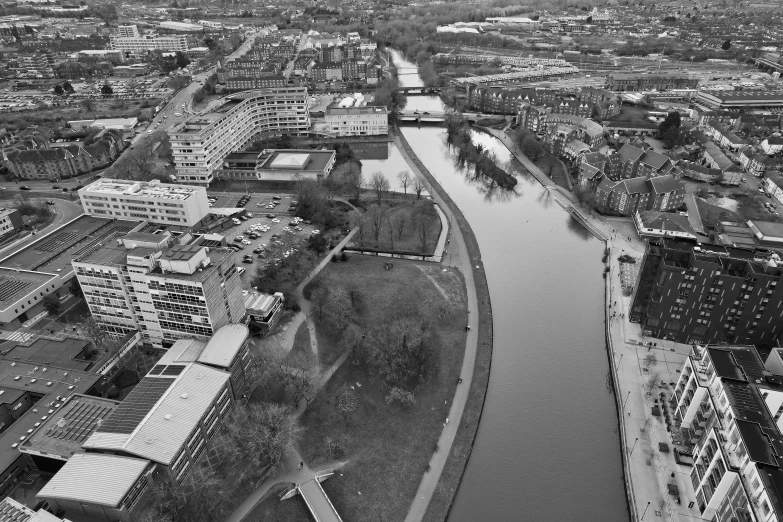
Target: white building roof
287, 160
95, 478
151, 189
165, 428
183, 351
224, 345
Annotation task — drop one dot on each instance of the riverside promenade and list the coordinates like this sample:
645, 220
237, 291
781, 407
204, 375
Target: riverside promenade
636, 377
440, 482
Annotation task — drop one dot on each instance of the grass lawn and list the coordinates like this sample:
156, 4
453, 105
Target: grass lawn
558, 173
386, 447
411, 212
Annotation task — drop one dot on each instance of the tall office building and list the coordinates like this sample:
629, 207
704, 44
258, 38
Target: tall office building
167, 286
151, 201
200, 144
693, 293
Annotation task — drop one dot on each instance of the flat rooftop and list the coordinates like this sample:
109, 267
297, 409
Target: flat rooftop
14, 284
298, 160
64, 353
46, 382
53, 252
148, 190
64, 432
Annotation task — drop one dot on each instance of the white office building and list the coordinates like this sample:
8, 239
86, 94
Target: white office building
357, 121
148, 42
200, 144
152, 201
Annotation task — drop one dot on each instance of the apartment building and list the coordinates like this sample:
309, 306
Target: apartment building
200, 144
647, 82
693, 293
165, 285
10, 221
728, 402
152, 201
148, 42
357, 121
128, 31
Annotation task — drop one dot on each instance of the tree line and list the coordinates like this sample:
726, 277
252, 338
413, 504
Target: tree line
469, 153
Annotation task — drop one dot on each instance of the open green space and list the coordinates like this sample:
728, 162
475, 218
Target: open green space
399, 225
383, 446
632, 114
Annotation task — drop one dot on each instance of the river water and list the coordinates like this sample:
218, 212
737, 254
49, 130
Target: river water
547, 447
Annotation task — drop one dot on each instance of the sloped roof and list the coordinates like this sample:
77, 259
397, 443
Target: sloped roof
629, 153
654, 159
589, 171
634, 186
594, 157
666, 221
166, 426
95, 478
661, 184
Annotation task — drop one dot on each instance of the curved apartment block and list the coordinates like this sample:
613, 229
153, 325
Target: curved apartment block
200, 144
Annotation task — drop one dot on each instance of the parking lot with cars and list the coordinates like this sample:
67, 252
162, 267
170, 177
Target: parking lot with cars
256, 232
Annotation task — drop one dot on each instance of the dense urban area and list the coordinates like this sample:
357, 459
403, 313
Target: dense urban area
256, 261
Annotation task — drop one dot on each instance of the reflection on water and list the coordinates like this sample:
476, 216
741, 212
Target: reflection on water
546, 447
376, 150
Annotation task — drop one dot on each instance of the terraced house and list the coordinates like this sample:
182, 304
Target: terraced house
64, 162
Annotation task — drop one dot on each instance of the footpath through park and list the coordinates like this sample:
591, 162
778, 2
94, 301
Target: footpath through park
459, 259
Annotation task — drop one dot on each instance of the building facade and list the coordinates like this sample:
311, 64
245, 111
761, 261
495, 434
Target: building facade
200, 144
144, 43
692, 293
165, 291
152, 201
357, 121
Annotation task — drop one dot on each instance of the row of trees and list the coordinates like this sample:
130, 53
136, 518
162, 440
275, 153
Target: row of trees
383, 227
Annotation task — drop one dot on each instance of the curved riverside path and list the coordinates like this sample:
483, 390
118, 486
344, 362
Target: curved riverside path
461, 259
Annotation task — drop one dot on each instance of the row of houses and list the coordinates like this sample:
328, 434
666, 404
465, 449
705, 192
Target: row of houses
64, 162
587, 102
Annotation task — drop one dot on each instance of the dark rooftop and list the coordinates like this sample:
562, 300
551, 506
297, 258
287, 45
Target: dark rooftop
137, 405
763, 445
64, 353
181, 252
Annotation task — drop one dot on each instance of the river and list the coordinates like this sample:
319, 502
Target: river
547, 447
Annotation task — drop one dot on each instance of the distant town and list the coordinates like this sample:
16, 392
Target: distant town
240, 274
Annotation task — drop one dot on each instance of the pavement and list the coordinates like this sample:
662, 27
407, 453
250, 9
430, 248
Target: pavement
459, 259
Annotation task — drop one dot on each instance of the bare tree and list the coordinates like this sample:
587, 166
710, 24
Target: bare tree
390, 226
398, 224
418, 187
359, 222
320, 296
421, 230
379, 184
96, 333
377, 218
650, 360
404, 178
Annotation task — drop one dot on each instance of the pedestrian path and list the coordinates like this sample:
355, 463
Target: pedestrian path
460, 259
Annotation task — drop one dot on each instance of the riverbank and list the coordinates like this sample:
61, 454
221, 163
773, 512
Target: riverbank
441, 482
646, 470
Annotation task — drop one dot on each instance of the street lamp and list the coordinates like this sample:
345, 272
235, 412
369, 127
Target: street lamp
645, 510
626, 399
634, 446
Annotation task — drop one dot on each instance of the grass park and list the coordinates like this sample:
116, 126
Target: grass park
381, 445
58, 117
399, 225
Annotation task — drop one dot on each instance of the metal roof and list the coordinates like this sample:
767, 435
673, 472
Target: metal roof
95, 478
224, 345
166, 426
183, 351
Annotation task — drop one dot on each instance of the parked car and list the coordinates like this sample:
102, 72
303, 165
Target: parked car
56, 187
49, 202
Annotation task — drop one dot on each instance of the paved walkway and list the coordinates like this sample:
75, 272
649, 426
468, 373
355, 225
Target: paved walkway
290, 472
459, 259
